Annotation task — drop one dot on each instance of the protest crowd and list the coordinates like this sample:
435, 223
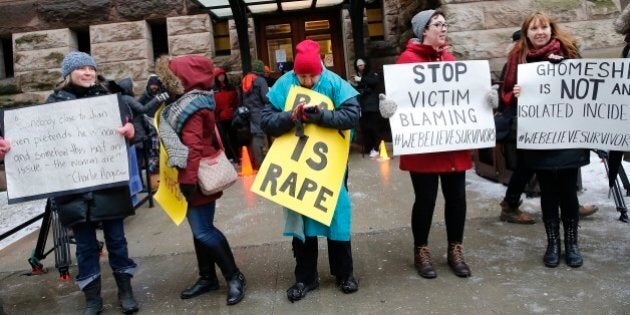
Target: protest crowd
299, 128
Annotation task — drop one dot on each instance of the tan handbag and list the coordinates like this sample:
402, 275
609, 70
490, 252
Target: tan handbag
216, 173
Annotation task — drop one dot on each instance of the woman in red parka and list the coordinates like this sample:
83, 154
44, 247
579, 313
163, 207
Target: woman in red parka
427, 169
187, 132
226, 98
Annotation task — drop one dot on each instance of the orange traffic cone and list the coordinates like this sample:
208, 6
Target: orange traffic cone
246, 163
382, 152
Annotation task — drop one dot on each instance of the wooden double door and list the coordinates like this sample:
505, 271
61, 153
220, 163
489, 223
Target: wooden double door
277, 37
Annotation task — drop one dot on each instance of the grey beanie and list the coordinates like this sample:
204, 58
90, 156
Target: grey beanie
622, 23
75, 60
419, 22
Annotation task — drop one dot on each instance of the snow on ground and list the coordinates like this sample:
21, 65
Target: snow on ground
594, 182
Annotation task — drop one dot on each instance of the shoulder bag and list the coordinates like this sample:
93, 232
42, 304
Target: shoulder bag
216, 173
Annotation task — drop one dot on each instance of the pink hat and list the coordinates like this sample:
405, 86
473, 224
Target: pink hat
307, 60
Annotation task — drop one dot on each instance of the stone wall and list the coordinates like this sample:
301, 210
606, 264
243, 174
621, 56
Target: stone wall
123, 50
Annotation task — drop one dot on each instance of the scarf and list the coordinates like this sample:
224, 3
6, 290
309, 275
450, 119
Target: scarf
514, 59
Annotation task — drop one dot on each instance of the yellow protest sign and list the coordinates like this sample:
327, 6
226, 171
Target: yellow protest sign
168, 194
305, 174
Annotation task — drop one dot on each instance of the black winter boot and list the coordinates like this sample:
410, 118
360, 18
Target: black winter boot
125, 293
222, 255
552, 255
572, 254
207, 274
93, 300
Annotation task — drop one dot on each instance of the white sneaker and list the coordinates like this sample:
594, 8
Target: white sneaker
373, 153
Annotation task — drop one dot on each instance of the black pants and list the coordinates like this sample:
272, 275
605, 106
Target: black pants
371, 127
305, 253
557, 190
425, 187
516, 186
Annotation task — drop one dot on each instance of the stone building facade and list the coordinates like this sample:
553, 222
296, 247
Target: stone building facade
123, 35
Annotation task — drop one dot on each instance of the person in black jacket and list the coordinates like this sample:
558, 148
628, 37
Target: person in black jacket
366, 82
108, 207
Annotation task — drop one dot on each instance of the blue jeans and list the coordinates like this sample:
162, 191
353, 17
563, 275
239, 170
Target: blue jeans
88, 252
201, 220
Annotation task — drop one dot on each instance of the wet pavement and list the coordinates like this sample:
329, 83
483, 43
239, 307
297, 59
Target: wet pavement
506, 260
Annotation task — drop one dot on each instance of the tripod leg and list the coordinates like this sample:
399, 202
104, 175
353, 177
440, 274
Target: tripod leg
38, 253
63, 258
624, 179
620, 202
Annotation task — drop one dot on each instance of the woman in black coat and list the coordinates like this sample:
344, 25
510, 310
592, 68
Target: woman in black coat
107, 207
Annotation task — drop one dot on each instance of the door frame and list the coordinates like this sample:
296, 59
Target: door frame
298, 33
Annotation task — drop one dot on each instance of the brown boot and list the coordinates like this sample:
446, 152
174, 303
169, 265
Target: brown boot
585, 211
514, 214
456, 261
423, 263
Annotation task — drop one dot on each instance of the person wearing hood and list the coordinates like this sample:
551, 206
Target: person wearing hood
153, 89
107, 207
187, 130
310, 73
254, 89
366, 82
427, 170
226, 97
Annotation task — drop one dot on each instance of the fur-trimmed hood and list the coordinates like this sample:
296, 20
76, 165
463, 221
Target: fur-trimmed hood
622, 23
185, 73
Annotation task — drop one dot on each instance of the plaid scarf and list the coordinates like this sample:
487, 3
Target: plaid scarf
172, 122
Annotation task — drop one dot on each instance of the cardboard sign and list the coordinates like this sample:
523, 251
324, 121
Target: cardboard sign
168, 195
305, 174
578, 103
64, 147
441, 106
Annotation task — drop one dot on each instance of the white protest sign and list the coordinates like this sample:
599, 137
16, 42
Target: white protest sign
64, 147
579, 103
441, 106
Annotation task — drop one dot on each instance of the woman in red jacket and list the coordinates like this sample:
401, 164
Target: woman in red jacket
226, 99
427, 169
187, 132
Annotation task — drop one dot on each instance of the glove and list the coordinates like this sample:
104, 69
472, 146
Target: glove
357, 78
127, 131
312, 114
386, 107
5, 147
553, 58
492, 98
298, 112
188, 190
162, 97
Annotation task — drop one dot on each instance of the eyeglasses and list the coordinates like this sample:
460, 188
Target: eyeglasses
440, 25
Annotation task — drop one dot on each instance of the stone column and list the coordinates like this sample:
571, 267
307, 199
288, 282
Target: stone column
123, 50
191, 34
2, 67
37, 57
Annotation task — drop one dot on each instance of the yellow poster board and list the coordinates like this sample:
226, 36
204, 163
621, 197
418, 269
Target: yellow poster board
168, 194
305, 174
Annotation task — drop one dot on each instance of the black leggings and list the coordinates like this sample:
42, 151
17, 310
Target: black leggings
557, 190
425, 188
305, 253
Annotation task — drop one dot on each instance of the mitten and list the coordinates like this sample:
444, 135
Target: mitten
127, 131
5, 147
162, 97
386, 107
492, 98
312, 114
298, 112
188, 190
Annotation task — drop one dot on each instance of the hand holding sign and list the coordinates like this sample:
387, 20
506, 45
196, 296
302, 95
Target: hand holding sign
127, 131
5, 146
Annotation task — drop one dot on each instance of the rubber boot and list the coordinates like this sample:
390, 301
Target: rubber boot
572, 254
552, 255
207, 273
93, 300
125, 293
222, 255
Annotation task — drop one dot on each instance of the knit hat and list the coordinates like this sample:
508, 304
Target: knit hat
307, 59
75, 60
419, 22
258, 67
622, 23
360, 62
193, 71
